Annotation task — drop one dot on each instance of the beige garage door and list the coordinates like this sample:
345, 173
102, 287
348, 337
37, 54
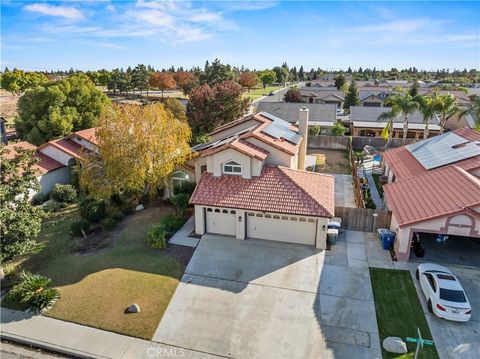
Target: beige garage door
221, 221
273, 227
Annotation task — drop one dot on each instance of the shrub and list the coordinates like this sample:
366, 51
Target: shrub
180, 201
157, 237
36, 292
64, 193
187, 187
108, 224
80, 227
117, 216
127, 210
52, 206
92, 210
75, 177
172, 223
39, 198
314, 130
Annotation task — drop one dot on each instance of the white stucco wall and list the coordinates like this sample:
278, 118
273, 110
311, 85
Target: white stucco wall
231, 131
50, 179
219, 158
56, 154
276, 156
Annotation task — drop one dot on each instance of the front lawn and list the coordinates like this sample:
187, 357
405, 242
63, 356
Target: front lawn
96, 288
399, 312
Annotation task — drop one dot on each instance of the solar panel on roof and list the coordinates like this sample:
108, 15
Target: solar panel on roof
280, 129
443, 150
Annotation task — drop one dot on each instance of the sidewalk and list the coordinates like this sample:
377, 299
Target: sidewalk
78, 340
182, 238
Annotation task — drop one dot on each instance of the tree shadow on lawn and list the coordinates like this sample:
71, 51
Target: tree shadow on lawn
95, 289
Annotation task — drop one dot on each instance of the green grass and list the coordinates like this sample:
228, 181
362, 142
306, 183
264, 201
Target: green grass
376, 179
260, 91
95, 289
399, 312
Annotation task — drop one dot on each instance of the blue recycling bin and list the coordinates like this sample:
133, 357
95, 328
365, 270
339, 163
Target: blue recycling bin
387, 238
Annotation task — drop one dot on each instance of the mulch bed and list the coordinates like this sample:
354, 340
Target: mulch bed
182, 254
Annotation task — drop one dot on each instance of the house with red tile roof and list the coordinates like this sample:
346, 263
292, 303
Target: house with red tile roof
251, 183
56, 157
434, 188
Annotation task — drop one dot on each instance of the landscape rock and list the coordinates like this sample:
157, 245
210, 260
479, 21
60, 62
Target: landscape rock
139, 207
134, 308
395, 345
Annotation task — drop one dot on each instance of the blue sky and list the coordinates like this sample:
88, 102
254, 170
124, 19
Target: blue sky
91, 34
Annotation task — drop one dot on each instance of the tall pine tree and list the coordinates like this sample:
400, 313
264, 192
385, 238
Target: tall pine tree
352, 96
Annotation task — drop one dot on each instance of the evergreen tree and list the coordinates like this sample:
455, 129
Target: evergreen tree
301, 74
352, 96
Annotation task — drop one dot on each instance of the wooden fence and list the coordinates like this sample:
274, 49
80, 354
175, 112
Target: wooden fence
357, 142
363, 219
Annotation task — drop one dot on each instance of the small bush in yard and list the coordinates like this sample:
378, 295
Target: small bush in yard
52, 206
80, 228
64, 193
157, 237
127, 210
35, 292
187, 187
172, 223
92, 210
180, 201
117, 216
108, 224
39, 198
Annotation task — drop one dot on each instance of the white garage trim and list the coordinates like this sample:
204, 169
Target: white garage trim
283, 228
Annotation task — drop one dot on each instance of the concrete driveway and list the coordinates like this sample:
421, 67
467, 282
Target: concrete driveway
456, 340
261, 299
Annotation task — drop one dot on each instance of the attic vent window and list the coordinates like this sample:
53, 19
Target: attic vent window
232, 168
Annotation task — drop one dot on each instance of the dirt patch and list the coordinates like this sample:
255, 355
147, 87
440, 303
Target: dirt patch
331, 161
8, 105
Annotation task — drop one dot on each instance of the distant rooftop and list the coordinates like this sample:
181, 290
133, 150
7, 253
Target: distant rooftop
290, 111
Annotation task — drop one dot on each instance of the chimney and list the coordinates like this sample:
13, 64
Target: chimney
303, 130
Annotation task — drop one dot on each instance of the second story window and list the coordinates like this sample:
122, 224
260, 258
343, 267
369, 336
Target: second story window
232, 168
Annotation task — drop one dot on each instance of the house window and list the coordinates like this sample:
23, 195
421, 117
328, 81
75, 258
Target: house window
276, 216
232, 168
268, 216
233, 212
217, 210
209, 210
203, 169
179, 178
225, 211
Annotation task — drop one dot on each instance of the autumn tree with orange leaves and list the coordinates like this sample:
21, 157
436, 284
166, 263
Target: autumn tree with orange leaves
138, 147
162, 81
248, 80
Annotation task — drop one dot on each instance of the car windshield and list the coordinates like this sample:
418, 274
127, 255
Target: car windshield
452, 295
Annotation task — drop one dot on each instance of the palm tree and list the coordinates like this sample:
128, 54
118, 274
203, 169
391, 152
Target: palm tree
403, 104
474, 110
389, 117
447, 107
427, 109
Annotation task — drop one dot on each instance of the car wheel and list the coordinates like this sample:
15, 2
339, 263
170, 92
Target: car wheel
430, 309
417, 274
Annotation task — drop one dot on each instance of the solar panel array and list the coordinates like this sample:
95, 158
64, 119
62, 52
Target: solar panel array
280, 129
443, 150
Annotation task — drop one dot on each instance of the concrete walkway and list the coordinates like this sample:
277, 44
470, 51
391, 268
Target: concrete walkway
344, 196
78, 340
182, 236
366, 171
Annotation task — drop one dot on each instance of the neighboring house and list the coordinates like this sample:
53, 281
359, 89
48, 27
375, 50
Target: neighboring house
434, 187
363, 122
252, 183
323, 115
48, 171
373, 98
57, 157
322, 95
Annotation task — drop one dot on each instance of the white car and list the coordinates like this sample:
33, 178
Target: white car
444, 293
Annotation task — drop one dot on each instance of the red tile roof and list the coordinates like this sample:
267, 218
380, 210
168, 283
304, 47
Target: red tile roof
234, 123
89, 134
45, 163
404, 164
278, 189
242, 146
432, 194
66, 145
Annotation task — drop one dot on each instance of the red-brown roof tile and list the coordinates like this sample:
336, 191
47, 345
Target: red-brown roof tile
242, 146
468, 134
402, 163
432, 194
66, 145
89, 134
45, 163
278, 189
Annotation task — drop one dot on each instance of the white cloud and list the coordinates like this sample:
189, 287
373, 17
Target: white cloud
110, 8
66, 12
